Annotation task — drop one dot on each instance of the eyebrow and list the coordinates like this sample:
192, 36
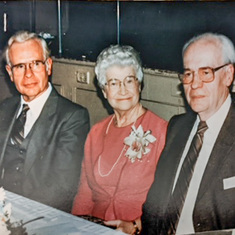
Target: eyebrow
204, 67
123, 78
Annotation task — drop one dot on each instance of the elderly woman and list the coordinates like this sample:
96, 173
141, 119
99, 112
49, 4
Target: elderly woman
121, 151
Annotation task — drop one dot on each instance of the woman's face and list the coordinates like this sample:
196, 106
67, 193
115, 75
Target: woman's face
122, 89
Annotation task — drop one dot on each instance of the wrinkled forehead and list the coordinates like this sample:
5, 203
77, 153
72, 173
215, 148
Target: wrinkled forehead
203, 53
25, 51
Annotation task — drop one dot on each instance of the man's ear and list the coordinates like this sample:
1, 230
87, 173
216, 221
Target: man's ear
49, 63
230, 74
104, 93
9, 71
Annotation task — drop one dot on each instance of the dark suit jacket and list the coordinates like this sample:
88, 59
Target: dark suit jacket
54, 152
215, 206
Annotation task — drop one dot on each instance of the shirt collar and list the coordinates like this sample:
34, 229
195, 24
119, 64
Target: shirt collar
38, 103
216, 121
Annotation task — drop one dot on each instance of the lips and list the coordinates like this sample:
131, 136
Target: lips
124, 99
196, 96
32, 84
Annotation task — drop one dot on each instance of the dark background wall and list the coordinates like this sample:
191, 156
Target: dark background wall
157, 30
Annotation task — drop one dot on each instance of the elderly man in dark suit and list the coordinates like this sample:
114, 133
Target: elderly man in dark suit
42, 134
194, 187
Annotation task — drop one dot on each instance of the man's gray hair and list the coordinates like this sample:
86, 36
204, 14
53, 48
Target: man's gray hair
23, 36
117, 55
227, 45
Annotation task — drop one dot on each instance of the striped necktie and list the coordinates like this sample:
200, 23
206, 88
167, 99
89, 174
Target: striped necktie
186, 172
17, 134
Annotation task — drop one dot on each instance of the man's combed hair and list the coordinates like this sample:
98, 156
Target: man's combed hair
225, 42
23, 36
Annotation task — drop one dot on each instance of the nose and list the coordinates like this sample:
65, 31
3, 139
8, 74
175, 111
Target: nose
122, 88
197, 82
28, 70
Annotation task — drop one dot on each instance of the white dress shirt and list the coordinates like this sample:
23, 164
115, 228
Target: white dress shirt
35, 108
214, 123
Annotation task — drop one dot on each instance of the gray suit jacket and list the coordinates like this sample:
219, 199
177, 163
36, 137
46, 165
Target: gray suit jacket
54, 152
215, 204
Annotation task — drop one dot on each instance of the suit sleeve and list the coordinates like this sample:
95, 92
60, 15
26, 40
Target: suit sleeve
69, 155
60, 170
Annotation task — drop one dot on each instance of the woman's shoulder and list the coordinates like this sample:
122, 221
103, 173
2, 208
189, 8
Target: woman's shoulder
155, 119
101, 124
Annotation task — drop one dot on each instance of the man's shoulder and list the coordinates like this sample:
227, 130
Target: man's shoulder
181, 122
8, 102
182, 118
66, 104
69, 104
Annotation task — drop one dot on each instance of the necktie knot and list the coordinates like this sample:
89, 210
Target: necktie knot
25, 109
202, 127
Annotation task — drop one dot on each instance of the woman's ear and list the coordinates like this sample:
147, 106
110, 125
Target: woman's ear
104, 93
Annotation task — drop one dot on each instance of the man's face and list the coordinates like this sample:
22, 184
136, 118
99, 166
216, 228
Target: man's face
206, 98
30, 83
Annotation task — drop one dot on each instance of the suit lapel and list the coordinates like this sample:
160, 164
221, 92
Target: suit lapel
180, 141
177, 136
223, 145
39, 132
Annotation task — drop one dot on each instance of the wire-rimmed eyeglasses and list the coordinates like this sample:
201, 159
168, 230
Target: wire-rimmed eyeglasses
35, 66
114, 84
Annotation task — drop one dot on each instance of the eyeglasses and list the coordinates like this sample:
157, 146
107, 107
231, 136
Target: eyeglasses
114, 84
35, 66
206, 74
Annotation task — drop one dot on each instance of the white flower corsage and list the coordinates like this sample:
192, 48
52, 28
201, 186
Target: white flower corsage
5, 213
138, 141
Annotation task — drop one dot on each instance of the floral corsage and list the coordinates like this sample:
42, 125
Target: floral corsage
138, 141
5, 213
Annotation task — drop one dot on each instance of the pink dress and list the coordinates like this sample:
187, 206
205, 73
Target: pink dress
111, 186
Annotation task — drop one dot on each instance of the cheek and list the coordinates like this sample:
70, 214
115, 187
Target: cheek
17, 82
187, 91
136, 92
110, 98
42, 81
109, 95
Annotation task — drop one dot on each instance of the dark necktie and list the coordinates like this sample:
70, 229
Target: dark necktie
17, 134
186, 172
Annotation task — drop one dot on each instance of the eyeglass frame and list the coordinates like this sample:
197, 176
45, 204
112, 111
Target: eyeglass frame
29, 63
120, 82
181, 76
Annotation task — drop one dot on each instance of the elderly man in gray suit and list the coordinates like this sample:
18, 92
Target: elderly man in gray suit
194, 187
42, 134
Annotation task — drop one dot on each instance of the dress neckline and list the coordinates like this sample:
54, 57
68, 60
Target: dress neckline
129, 125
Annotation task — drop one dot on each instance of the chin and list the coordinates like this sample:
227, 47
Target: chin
198, 109
124, 108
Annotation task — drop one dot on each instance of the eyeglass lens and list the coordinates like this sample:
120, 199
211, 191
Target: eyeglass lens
35, 66
128, 82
